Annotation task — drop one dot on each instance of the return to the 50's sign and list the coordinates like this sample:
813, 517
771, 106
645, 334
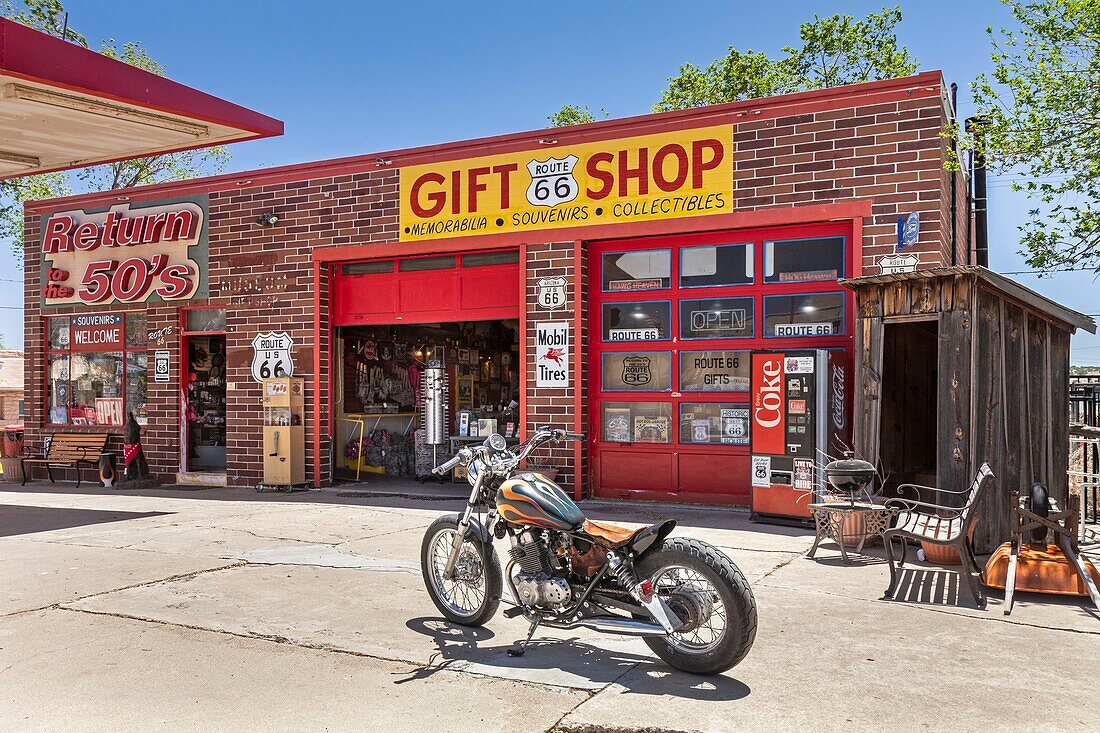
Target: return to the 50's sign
128, 253
642, 178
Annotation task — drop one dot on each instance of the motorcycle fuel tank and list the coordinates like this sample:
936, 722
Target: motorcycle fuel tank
534, 500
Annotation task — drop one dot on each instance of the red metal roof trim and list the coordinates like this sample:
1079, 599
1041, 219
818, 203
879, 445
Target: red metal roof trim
923, 85
35, 56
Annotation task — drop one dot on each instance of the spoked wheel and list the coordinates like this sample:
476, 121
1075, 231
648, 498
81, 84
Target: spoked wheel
712, 599
472, 596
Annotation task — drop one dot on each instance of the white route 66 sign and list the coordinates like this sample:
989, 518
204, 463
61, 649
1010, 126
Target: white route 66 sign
271, 356
552, 292
552, 181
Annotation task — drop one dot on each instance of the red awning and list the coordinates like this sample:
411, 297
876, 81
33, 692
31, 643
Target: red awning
63, 106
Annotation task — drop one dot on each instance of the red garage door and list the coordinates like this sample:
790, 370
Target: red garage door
477, 286
673, 323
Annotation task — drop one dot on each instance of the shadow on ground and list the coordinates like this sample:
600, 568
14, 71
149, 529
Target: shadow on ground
459, 645
22, 520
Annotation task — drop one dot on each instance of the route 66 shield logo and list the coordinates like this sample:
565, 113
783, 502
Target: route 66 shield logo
552, 181
551, 292
636, 370
271, 356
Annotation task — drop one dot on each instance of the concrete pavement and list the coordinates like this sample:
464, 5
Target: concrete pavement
223, 608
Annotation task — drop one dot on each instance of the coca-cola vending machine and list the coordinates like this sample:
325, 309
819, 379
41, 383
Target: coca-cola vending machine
801, 410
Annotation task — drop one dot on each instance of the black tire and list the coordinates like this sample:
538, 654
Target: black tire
491, 573
733, 589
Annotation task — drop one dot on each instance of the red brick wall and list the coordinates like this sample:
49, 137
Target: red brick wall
890, 154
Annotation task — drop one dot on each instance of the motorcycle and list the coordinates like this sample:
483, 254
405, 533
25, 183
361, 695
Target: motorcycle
686, 599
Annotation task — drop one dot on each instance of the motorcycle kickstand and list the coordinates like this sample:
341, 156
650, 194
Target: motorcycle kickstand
521, 647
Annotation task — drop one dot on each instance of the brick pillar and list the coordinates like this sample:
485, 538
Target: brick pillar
556, 407
160, 438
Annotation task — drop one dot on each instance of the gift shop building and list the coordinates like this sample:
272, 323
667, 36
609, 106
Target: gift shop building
670, 284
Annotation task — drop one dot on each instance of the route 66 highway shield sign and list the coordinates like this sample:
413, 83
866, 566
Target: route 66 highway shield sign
271, 356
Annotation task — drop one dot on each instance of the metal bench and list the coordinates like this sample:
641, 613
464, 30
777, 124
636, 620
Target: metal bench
938, 524
69, 450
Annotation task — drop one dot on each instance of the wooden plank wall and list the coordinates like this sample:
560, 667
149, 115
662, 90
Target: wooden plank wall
955, 418
1003, 396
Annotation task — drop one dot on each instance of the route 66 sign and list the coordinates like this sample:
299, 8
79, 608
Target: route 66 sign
271, 356
552, 181
551, 292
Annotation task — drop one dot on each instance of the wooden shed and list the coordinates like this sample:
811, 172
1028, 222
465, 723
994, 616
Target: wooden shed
957, 366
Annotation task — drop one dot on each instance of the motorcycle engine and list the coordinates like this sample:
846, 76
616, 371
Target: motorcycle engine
536, 584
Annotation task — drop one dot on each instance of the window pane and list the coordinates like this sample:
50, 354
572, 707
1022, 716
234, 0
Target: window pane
57, 371
207, 319
96, 384
638, 370
725, 264
818, 314
491, 258
59, 333
717, 422
648, 269
717, 318
797, 260
426, 263
642, 321
368, 268
137, 385
136, 332
714, 371
641, 422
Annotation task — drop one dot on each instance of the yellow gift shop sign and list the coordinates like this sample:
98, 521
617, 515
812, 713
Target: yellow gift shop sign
642, 178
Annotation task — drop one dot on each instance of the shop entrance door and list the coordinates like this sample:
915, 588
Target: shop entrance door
391, 319
203, 402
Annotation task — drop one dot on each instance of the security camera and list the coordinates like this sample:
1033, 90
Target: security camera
269, 219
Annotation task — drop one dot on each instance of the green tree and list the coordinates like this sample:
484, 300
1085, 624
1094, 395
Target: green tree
49, 16
840, 49
1040, 110
572, 114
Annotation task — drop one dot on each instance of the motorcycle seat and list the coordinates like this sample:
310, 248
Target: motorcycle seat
609, 535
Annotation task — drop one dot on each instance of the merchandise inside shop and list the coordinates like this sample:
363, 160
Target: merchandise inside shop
380, 396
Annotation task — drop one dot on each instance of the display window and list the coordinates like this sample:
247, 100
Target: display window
812, 259
96, 369
813, 314
634, 371
637, 321
637, 422
715, 371
714, 265
708, 423
637, 270
718, 318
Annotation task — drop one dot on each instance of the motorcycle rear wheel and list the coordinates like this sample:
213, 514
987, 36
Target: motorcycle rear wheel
472, 596
696, 567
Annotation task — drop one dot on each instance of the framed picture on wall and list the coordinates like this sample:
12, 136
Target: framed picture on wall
463, 356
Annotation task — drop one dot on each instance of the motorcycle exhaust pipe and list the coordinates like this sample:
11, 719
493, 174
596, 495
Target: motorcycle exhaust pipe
611, 625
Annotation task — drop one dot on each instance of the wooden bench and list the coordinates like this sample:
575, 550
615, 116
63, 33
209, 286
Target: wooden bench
939, 524
69, 449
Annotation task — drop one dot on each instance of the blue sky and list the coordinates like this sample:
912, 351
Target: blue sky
355, 77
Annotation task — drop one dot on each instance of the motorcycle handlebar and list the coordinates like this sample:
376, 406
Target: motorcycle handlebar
444, 467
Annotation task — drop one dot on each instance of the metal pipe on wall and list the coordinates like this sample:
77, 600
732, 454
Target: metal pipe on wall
981, 201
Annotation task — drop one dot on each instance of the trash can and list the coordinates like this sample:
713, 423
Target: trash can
11, 451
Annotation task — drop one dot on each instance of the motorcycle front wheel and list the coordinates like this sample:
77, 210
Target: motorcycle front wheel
710, 594
472, 595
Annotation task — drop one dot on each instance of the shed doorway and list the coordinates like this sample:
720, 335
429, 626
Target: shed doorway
910, 351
